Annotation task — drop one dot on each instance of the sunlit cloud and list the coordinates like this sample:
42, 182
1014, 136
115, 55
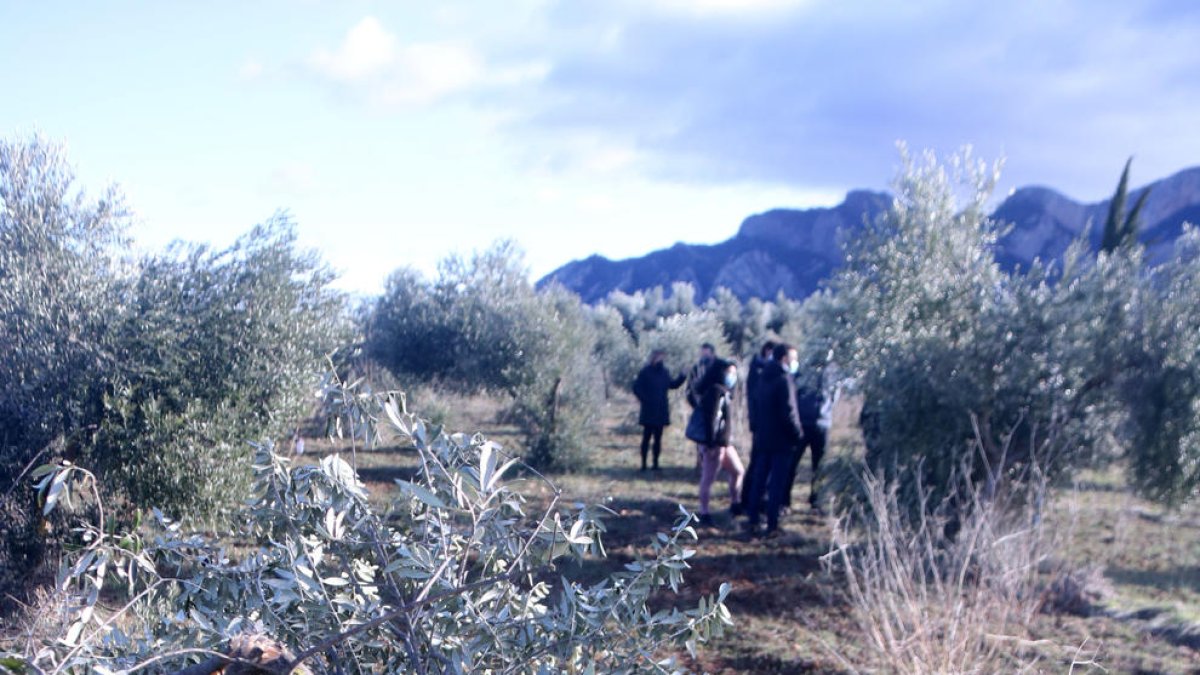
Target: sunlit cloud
728, 8
292, 179
251, 70
367, 49
393, 73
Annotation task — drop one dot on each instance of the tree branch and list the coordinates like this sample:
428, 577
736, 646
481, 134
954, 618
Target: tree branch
394, 614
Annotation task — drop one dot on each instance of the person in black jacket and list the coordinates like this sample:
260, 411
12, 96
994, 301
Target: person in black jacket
697, 377
718, 453
650, 388
815, 397
779, 434
753, 380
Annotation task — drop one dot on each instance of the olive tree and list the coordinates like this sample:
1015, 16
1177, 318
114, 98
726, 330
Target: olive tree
151, 370
60, 286
60, 290
1161, 387
1009, 377
460, 571
615, 348
480, 325
215, 347
913, 310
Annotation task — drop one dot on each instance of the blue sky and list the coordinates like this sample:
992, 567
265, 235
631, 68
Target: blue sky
396, 133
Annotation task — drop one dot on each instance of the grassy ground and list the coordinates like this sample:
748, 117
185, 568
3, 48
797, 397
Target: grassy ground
790, 615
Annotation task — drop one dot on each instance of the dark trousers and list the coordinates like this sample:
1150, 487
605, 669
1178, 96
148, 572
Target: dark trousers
814, 439
770, 478
756, 458
655, 432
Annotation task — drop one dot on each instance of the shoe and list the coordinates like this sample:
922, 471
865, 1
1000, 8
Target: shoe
784, 511
706, 520
774, 533
736, 510
643, 468
656, 468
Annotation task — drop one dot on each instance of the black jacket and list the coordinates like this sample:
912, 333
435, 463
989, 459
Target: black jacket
715, 407
753, 382
778, 419
697, 380
810, 398
651, 388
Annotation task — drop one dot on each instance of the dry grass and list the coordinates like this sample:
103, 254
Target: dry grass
796, 615
930, 599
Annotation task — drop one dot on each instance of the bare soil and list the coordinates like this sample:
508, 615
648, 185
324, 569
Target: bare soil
789, 612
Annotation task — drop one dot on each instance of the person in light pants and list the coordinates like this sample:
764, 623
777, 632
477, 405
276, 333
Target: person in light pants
718, 453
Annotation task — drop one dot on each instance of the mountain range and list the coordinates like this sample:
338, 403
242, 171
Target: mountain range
793, 250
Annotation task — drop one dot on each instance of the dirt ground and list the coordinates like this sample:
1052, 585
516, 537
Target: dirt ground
789, 612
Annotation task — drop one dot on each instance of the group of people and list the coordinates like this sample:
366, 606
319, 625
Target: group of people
788, 409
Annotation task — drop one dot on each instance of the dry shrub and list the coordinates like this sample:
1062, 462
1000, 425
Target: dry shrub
946, 589
45, 617
250, 654
1071, 590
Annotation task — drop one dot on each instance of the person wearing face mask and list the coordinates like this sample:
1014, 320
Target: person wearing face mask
816, 395
718, 453
780, 434
650, 388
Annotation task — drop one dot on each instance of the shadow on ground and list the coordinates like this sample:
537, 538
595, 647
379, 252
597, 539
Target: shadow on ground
1180, 577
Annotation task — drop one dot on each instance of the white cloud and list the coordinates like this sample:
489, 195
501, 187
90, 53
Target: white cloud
424, 73
296, 178
595, 203
726, 8
251, 70
367, 49
388, 71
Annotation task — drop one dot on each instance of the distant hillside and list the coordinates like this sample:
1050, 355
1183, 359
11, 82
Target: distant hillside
1045, 222
792, 250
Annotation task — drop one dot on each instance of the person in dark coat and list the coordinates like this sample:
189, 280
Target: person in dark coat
815, 397
757, 365
718, 452
779, 435
696, 378
696, 382
651, 387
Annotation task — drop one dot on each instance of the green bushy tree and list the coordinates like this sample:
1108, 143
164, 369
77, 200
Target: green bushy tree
62, 282
964, 365
407, 330
153, 371
560, 400
1161, 386
460, 572
912, 308
215, 347
682, 300
482, 326
727, 309
680, 337
630, 308
60, 287
615, 348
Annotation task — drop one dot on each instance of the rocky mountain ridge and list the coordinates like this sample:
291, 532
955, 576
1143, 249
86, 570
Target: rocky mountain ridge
792, 250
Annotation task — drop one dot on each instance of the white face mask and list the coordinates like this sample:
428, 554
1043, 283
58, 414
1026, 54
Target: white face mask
794, 367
